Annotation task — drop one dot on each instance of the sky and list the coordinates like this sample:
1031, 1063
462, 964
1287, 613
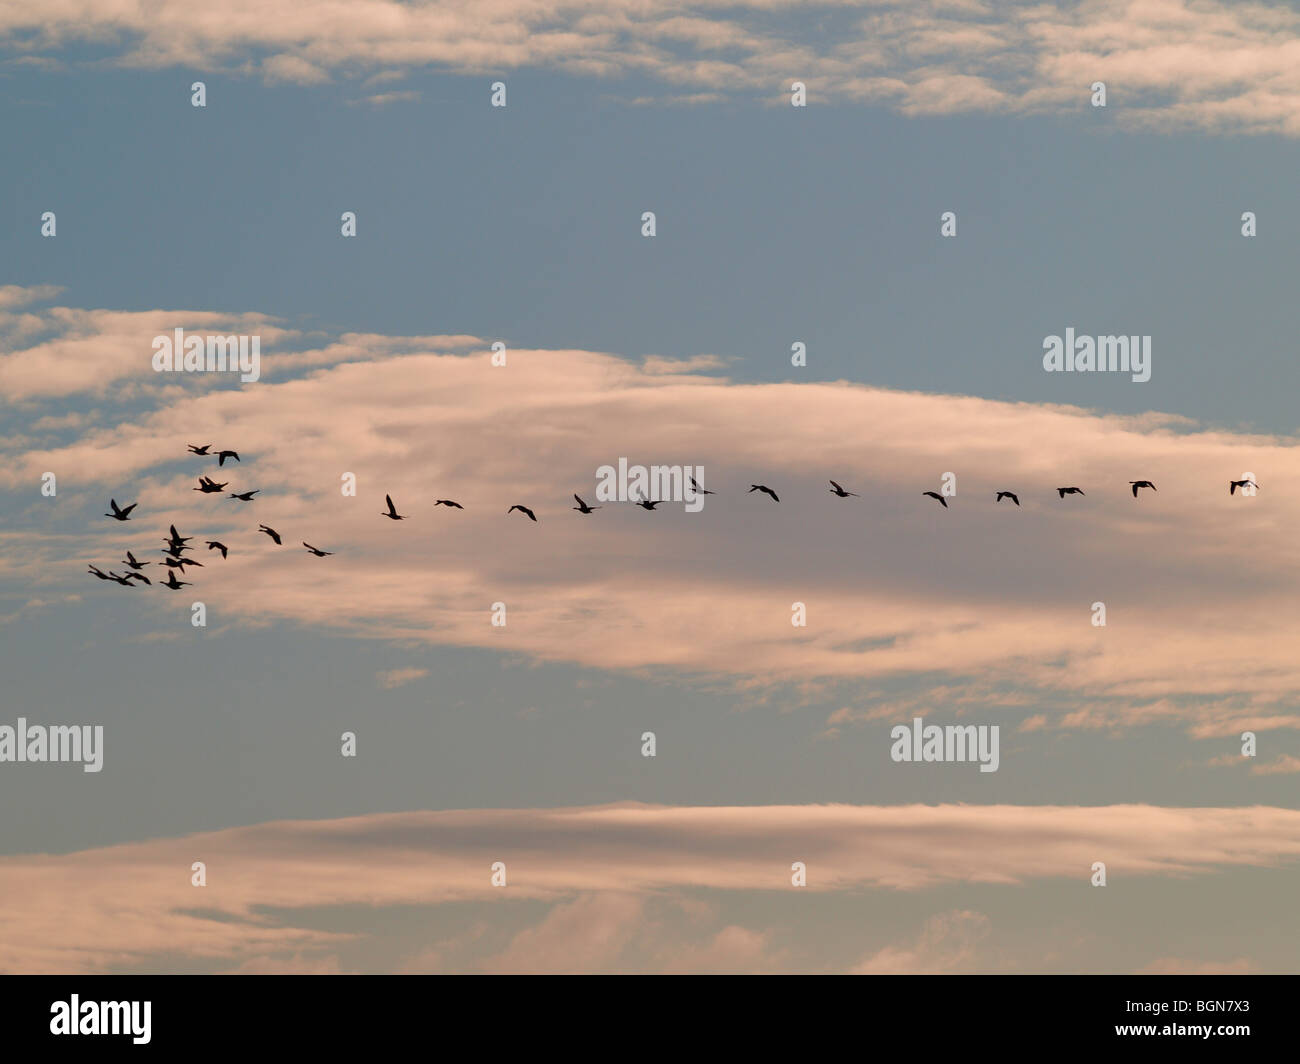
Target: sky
476, 743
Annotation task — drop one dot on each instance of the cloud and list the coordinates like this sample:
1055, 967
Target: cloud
123, 905
946, 945
394, 678
1168, 64
977, 608
1176, 966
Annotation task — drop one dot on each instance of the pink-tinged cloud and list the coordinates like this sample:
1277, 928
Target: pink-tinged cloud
1167, 64
981, 606
120, 905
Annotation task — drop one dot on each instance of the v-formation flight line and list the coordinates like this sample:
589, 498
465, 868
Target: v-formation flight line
176, 544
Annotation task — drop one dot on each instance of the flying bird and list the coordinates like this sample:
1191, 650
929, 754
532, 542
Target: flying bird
223, 455
177, 537
215, 545
1141, 484
95, 572
244, 496
139, 576
646, 504
180, 563
209, 486
523, 510
130, 560
1233, 485
118, 513
698, 490
764, 489
935, 495
1008, 495
173, 583
392, 510
174, 549
582, 507
317, 551
448, 502
835, 489
124, 581
1063, 492
198, 450
270, 532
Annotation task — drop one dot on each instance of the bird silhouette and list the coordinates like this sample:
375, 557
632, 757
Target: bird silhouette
270, 532
1233, 485
1141, 484
131, 561
118, 513
764, 489
174, 549
173, 583
138, 576
96, 572
215, 545
698, 490
1063, 492
523, 510
120, 579
835, 489
244, 496
177, 537
392, 510
198, 450
209, 486
582, 507
223, 455
935, 495
646, 504
1008, 495
180, 563
316, 551
448, 502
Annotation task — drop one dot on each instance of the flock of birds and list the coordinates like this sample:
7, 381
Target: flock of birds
175, 560
174, 551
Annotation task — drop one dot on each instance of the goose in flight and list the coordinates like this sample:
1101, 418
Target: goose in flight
131, 561
1008, 495
215, 545
523, 510
835, 489
698, 490
1141, 484
935, 495
646, 504
764, 489
244, 496
96, 572
198, 450
173, 550
177, 537
582, 507
317, 551
448, 502
1233, 485
223, 455
139, 576
270, 532
118, 513
1063, 492
124, 581
209, 486
173, 583
392, 510
180, 563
